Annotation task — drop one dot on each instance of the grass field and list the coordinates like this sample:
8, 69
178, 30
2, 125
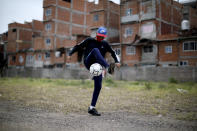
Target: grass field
67, 96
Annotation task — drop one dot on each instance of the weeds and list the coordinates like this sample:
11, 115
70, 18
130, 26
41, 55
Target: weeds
148, 86
172, 80
75, 95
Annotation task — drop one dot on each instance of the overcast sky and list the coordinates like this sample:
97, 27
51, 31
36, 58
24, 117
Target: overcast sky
23, 10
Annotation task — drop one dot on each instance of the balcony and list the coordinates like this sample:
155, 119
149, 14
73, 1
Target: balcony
130, 18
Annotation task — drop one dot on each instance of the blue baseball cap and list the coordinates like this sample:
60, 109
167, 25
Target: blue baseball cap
102, 31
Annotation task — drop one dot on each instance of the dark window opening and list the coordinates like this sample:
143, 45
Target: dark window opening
13, 30
14, 58
67, 0
96, 17
59, 65
148, 49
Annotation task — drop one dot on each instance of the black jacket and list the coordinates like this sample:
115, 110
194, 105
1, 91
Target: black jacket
90, 43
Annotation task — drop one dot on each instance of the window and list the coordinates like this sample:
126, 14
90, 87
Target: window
183, 63
21, 59
67, 51
190, 46
59, 65
117, 51
128, 12
48, 27
48, 12
14, 58
30, 59
13, 30
130, 50
67, 0
128, 31
148, 49
168, 49
48, 41
47, 55
39, 57
96, 17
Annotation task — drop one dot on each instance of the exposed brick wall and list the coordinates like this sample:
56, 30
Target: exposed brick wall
20, 59
166, 10
78, 19
129, 59
165, 28
163, 56
131, 4
38, 43
63, 15
193, 17
63, 29
135, 30
78, 5
25, 35
49, 17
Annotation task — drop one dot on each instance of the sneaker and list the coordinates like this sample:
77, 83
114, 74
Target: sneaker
111, 68
93, 112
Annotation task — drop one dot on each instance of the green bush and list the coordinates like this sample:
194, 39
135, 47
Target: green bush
148, 86
172, 80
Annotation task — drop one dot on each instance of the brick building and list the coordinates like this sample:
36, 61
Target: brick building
21, 40
149, 33
142, 32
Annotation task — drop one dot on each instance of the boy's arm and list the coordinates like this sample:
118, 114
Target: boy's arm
113, 54
78, 47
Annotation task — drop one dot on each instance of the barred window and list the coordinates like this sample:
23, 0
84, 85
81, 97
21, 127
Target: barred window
128, 31
96, 17
47, 55
130, 50
48, 27
168, 49
183, 63
48, 41
128, 12
48, 12
190, 46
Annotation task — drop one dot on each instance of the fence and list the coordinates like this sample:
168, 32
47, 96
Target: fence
124, 73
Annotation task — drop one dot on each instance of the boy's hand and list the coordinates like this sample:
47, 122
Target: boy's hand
68, 58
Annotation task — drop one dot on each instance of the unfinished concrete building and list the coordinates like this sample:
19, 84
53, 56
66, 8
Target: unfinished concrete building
148, 31
65, 24
20, 45
142, 33
68, 22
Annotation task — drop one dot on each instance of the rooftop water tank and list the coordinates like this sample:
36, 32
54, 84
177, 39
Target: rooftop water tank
185, 25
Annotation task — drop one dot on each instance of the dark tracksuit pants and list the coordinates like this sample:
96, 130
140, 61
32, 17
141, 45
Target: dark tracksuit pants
98, 58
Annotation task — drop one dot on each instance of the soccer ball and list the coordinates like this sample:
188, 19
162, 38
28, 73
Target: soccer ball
96, 69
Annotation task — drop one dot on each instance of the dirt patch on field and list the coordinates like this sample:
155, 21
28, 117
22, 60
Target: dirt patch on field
16, 117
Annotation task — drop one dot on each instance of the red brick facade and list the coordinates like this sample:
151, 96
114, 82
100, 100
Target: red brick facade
141, 32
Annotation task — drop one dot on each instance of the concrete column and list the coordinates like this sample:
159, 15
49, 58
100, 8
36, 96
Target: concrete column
70, 28
17, 37
159, 17
85, 16
56, 24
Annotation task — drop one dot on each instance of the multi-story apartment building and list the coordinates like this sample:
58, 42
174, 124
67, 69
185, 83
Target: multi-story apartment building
21, 42
142, 32
149, 33
68, 22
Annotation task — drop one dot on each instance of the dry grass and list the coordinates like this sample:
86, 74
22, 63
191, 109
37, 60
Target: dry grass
75, 95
